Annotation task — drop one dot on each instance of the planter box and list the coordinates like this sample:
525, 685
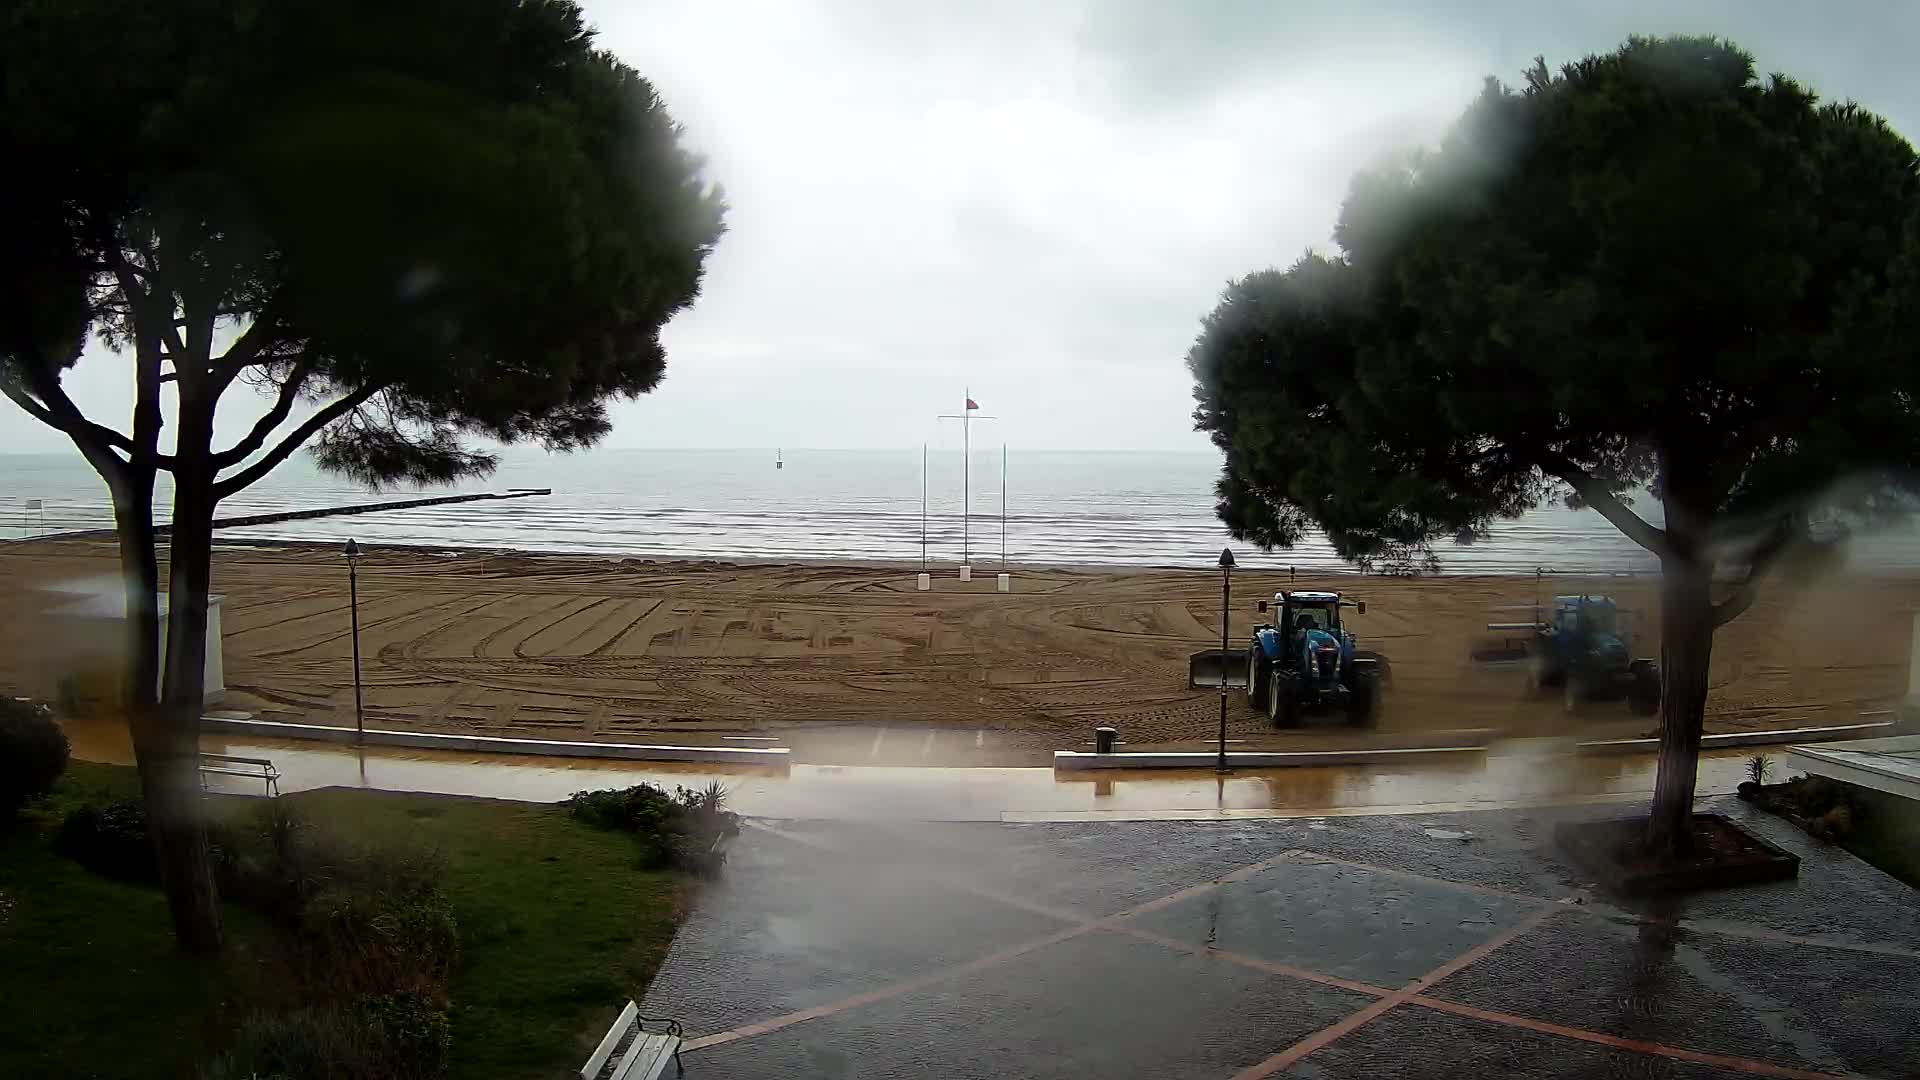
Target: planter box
1726, 855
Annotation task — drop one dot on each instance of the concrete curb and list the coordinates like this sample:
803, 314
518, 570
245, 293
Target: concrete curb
1744, 738
770, 756
1078, 760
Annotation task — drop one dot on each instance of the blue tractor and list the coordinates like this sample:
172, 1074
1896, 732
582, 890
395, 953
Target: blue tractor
1582, 648
1305, 660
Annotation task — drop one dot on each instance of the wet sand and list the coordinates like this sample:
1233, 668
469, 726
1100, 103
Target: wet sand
851, 664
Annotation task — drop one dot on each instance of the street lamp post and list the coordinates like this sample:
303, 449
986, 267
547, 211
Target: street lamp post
1226, 610
353, 604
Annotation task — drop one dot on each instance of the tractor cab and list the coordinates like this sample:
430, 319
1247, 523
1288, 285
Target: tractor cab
1299, 612
1586, 616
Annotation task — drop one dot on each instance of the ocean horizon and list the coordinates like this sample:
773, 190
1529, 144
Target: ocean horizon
1061, 507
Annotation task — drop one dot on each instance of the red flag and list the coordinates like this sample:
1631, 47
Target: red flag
971, 405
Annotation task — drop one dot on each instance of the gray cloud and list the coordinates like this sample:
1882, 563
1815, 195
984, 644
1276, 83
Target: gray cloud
1039, 200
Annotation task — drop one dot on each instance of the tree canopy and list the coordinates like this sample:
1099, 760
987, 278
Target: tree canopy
425, 219
1651, 269
413, 225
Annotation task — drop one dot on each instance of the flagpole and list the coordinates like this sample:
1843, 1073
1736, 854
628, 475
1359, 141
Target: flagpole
923, 506
966, 419
1003, 506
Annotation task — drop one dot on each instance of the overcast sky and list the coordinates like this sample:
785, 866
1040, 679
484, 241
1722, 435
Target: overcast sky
1039, 200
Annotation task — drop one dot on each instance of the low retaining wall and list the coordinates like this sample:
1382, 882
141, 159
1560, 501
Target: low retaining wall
770, 756
1074, 760
1745, 738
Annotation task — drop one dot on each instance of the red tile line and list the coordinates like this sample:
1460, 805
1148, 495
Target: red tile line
1412, 994
1271, 967
892, 990
1745, 1065
1717, 927
907, 986
1285, 1059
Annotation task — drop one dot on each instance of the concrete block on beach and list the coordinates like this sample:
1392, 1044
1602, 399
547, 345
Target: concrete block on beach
764, 756
1075, 760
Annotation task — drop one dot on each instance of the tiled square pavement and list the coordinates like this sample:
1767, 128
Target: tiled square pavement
1091, 993
1342, 920
1262, 948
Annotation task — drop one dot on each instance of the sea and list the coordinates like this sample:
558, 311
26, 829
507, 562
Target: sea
1068, 508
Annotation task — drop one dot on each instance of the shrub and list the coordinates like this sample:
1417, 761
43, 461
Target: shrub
411, 1035
640, 808
360, 920
680, 830
109, 840
354, 940
1758, 766
304, 1044
33, 754
374, 1037
1835, 824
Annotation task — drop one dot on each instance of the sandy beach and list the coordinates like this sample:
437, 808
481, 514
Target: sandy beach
822, 657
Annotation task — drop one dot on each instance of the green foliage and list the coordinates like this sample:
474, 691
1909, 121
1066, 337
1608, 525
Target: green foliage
472, 212
413, 225
416, 1034
682, 830
33, 754
1758, 766
76, 946
361, 919
1836, 824
301, 1044
375, 1037
1652, 267
556, 925
110, 840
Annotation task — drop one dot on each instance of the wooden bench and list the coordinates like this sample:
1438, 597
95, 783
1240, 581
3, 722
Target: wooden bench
253, 768
631, 1052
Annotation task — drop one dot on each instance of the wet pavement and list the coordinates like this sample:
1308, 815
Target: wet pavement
1517, 773
1426, 945
1338, 922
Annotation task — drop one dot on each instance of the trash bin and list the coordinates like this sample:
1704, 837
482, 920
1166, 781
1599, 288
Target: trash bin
1103, 739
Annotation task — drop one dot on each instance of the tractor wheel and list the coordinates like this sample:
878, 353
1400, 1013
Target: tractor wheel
1380, 664
1259, 674
1283, 700
1361, 700
1643, 694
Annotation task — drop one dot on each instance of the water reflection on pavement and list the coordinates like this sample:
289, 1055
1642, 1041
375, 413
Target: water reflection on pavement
1517, 773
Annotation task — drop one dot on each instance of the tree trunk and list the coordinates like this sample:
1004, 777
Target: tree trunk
166, 756
1686, 650
140, 580
174, 801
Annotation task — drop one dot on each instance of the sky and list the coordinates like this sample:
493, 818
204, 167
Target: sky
1038, 201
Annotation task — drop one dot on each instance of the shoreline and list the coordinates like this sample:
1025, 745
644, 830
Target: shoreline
983, 569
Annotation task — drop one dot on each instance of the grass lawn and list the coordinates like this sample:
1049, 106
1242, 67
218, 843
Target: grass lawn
557, 929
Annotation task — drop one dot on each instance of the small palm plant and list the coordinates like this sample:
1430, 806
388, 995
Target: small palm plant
1758, 766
